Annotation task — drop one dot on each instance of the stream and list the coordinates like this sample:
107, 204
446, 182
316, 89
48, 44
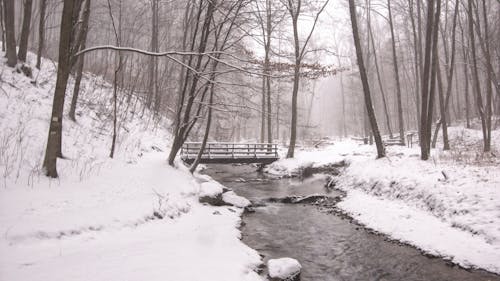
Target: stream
328, 245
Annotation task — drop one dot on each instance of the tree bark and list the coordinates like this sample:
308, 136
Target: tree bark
10, 38
477, 88
63, 69
80, 63
364, 80
489, 72
382, 92
41, 33
429, 77
2, 27
25, 31
396, 75
296, 76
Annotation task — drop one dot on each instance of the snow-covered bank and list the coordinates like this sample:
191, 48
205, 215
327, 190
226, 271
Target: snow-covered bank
448, 206
129, 218
104, 229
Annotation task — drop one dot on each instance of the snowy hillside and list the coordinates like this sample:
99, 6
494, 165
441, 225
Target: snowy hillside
129, 218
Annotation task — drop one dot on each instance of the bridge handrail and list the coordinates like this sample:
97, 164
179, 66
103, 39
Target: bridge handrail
232, 150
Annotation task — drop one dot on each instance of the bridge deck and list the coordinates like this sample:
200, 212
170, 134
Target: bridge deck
226, 153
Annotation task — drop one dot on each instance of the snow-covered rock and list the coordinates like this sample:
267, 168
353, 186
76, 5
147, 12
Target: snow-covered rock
211, 193
232, 198
284, 269
210, 188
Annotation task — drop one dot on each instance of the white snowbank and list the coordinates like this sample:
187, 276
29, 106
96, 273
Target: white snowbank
283, 268
429, 233
129, 218
455, 196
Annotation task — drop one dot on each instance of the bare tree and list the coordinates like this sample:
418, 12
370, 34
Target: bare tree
10, 38
396, 75
475, 73
80, 62
429, 76
294, 8
41, 32
63, 70
25, 30
364, 81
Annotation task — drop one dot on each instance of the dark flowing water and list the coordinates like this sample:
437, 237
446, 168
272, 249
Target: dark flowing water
328, 246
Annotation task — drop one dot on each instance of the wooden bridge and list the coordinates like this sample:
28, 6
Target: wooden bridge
227, 153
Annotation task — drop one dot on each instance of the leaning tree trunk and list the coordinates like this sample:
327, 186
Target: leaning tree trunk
196, 162
63, 69
10, 38
364, 80
80, 63
25, 31
379, 79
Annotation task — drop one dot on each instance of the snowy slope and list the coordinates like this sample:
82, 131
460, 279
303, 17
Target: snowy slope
457, 217
129, 218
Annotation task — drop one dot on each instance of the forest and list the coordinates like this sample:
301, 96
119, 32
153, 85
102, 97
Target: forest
141, 132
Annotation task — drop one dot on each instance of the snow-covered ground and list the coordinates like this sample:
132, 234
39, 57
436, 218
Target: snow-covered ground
447, 206
129, 218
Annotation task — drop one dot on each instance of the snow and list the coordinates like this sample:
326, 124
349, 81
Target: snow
210, 189
129, 218
448, 206
235, 200
283, 268
411, 225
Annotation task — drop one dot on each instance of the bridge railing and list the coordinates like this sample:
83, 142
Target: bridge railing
230, 150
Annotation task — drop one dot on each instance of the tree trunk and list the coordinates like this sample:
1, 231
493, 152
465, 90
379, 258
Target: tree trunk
2, 27
364, 80
442, 119
152, 63
477, 88
41, 33
489, 71
192, 169
80, 63
434, 71
296, 76
268, 71
466, 75
396, 74
10, 38
429, 77
416, 48
63, 69
382, 92
25, 31
263, 112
